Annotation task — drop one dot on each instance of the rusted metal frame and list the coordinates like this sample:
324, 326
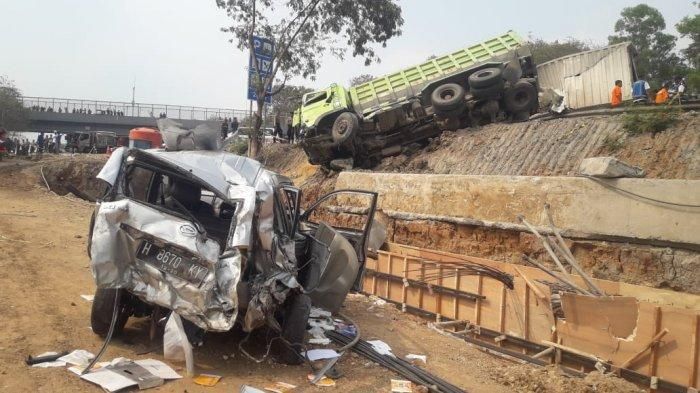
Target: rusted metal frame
479, 289
421, 285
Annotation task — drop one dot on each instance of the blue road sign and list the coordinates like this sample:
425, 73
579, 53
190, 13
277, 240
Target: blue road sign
263, 50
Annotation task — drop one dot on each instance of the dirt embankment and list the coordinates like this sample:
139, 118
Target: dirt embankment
555, 147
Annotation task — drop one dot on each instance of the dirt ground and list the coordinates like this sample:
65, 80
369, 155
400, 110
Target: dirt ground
44, 269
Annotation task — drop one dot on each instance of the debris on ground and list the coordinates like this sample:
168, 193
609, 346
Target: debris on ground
526, 378
412, 356
324, 381
401, 386
122, 373
319, 354
206, 379
608, 167
280, 387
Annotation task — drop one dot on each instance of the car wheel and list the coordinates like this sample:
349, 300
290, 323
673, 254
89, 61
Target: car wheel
102, 308
492, 91
485, 78
345, 127
447, 98
296, 316
521, 97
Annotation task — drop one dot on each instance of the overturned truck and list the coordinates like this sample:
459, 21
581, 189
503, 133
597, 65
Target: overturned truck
492, 81
217, 239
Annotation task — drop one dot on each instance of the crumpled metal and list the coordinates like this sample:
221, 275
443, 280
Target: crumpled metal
122, 224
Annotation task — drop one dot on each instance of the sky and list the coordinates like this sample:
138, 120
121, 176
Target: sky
174, 52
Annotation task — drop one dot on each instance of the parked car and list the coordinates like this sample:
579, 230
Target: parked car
216, 238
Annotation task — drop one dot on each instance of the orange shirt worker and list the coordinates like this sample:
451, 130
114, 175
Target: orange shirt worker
616, 95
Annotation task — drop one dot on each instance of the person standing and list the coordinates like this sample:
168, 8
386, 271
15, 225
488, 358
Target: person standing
224, 129
57, 141
234, 124
616, 94
278, 130
3, 143
640, 90
290, 131
40, 143
662, 94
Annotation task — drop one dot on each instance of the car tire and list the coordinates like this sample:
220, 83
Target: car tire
102, 308
345, 127
485, 78
296, 316
521, 97
492, 91
447, 98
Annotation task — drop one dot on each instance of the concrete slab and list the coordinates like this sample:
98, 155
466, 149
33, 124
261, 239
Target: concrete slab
600, 206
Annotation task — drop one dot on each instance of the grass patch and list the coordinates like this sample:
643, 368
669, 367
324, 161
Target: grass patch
612, 143
654, 122
238, 146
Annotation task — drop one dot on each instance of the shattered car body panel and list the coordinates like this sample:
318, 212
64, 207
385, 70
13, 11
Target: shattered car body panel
211, 235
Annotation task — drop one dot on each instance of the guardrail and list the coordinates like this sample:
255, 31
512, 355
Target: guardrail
135, 109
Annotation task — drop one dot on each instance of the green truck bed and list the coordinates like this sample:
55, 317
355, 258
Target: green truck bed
408, 82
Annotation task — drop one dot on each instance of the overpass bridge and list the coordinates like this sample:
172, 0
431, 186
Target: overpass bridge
72, 115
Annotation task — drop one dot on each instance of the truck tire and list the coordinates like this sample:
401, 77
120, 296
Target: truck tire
296, 316
345, 127
447, 98
485, 78
521, 97
102, 308
488, 92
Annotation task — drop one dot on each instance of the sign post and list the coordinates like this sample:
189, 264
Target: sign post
263, 49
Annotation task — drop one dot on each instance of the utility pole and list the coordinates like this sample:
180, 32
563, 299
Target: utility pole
133, 97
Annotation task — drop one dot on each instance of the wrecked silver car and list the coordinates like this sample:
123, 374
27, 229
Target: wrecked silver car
217, 239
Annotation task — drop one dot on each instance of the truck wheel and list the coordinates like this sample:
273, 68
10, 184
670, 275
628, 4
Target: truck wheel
521, 97
488, 92
102, 307
296, 316
344, 127
447, 98
485, 78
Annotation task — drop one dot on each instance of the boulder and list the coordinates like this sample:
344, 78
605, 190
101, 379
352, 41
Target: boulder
608, 167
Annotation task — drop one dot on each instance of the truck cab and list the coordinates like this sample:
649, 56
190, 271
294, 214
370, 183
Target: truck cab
319, 105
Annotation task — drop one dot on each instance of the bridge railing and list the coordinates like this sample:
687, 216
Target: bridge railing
136, 109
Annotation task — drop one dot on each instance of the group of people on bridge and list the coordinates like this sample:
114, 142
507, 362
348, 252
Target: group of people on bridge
108, 111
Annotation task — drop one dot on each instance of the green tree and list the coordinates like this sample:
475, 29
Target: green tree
643, 26
288, 98
303, 31
13, 115
543, 51
360, 79
690, 27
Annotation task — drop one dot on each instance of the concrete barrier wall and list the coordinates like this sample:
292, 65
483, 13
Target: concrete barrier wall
577, 204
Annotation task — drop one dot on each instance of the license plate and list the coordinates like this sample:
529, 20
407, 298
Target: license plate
173, 262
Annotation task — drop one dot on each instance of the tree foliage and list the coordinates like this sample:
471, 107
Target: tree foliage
643, 26
303, 31
360, 79
543, 51
288, 99
690, 27
13, 115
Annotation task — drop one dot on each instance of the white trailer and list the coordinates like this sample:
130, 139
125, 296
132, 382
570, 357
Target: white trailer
587, 78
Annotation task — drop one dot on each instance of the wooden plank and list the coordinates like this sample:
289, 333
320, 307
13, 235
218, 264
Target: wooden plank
531, 284
526, 313
388, 282
479, 289
692, 380
404, 289
456, 301
438, 298
655, 350
652, 343
502, 308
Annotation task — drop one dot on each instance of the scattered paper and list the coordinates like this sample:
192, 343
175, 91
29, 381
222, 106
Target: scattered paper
324, 381
88, 298
206, 379
318, 354
250, 389
401, 386
113, 381
381, 347
319, 341
319, 313
280, 387
422, 358
79, 357
56, 363
325, 324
